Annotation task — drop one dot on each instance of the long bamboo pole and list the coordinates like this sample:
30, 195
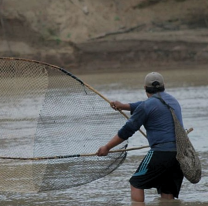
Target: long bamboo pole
78, 155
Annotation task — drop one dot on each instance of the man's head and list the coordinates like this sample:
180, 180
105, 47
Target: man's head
154, 83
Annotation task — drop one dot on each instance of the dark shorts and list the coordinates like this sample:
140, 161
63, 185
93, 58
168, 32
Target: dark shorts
161, 170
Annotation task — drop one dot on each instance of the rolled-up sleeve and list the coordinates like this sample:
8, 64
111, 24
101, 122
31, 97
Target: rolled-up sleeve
135, 122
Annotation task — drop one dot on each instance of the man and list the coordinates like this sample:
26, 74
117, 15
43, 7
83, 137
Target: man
159, 169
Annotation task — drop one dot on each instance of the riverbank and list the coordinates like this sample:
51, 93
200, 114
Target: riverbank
140, 52
106, 36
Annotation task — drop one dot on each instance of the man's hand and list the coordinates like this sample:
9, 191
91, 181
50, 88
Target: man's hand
116, 105
102, 151
120, 106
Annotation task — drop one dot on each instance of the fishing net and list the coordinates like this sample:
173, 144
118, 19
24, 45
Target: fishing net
49, 120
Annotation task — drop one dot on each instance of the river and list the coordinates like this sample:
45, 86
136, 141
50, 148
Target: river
190, 87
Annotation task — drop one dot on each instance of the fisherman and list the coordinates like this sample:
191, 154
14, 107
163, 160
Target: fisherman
159, 169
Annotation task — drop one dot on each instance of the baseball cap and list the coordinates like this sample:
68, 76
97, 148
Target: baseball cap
152, 78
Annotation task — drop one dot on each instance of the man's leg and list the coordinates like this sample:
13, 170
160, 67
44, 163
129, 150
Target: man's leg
137, 195
167, 196
138, 204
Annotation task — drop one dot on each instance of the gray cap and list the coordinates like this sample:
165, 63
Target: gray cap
154, 77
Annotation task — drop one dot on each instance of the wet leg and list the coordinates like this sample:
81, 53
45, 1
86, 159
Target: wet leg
137, 195
167, 196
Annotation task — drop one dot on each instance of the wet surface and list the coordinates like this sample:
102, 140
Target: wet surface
191, 90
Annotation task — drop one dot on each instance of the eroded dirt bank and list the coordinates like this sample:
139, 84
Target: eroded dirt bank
135, 54
106, 35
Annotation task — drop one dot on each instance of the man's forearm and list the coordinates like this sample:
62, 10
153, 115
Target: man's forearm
104, 150
116, 140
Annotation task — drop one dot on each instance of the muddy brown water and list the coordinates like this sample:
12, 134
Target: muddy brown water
190, 87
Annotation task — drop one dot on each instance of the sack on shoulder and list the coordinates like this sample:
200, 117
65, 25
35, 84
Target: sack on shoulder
186, 155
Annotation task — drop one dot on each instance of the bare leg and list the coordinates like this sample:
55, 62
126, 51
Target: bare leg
137, 204
137, 195
167, 196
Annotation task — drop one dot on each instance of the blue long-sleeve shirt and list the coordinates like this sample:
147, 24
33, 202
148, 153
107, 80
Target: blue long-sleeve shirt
157, 120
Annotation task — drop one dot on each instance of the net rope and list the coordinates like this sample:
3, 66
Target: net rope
48, 112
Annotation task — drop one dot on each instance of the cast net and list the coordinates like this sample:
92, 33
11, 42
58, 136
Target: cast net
48, 118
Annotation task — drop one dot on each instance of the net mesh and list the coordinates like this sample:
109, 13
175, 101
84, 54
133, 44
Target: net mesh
47, 112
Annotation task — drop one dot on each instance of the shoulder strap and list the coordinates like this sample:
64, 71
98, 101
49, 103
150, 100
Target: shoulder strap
162, 100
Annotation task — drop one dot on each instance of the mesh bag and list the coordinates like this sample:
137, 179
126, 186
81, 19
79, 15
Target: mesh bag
51, 122
186, 155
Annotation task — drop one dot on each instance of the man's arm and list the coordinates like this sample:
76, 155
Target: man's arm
103, 151
120, 106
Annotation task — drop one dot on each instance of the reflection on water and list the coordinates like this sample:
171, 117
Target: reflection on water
114, 190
